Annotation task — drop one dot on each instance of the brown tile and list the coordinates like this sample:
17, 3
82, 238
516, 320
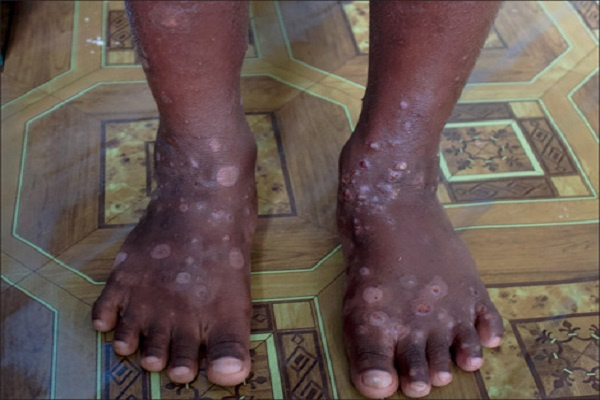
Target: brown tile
27, 346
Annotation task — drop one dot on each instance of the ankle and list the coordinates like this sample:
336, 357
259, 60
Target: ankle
390, 172
219, 160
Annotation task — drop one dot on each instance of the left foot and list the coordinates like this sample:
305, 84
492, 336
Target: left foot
413, 291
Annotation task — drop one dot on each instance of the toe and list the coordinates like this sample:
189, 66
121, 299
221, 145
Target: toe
127, 336
106, 308
373, 374
155, 348
468, 349
228, 354
414, 370
438, 355
183, 361
371, 363
490, 327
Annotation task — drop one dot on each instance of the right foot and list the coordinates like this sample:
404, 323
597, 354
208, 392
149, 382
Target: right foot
182, 278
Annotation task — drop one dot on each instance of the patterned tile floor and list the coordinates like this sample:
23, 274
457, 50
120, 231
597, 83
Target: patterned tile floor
519, 180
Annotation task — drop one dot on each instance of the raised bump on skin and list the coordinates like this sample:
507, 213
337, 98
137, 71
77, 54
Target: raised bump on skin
236, 258
362, 330
228, 176
409, 281
214, 145
438, 287
161, 251
121, 256
189, 260
377, 318
201, 291
423, 309
372, 294
364, 271
183, 277
418, 336
183, 207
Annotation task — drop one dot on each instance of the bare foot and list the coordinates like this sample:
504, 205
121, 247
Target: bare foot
413, 289
181, 279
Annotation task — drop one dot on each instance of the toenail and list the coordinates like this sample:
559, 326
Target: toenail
418, 386
100, 325
377, 379
180, 371
152, 361
475, 362
120, 345
227, 365
494, 342
444, 377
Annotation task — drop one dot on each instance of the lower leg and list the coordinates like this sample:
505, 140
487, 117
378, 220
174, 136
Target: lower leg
181, 279
413, 289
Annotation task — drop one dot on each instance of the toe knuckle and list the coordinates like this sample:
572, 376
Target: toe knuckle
413, 356
438, 350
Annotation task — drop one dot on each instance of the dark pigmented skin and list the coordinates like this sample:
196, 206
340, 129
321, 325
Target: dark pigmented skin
181, 279
413, 291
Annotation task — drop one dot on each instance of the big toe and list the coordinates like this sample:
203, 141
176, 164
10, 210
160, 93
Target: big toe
229, 354
228, 371
106, 309
373, 372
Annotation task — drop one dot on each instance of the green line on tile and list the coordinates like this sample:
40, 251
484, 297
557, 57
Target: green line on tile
568, 146
585, 26
547, 67
537, 169
282, 299
576, 107
531, 225
72, 66
307, 90
155, 386
274, 367
98, 365
325, 347
103, 33
313, 268
254, 32
291, 55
